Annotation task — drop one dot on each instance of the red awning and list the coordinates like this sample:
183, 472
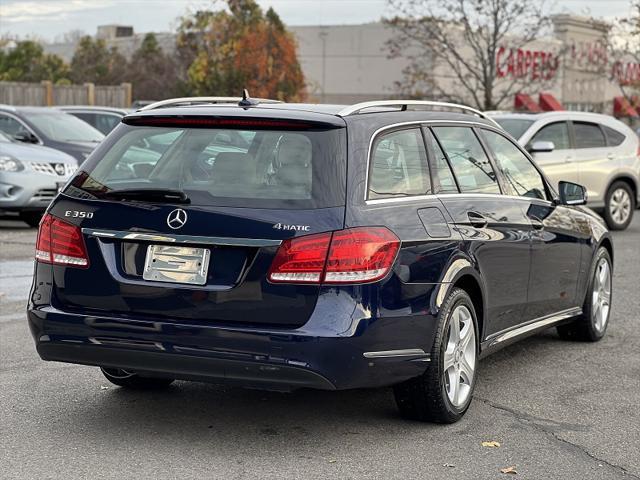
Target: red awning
522, 101
548, 102
622, 108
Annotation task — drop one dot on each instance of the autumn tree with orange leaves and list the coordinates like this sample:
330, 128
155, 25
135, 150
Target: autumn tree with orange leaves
239, 47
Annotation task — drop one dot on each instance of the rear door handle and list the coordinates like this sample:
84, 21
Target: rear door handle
568, 159
611, 156
477, 219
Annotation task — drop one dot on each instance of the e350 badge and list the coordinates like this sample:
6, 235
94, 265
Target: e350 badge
78, 214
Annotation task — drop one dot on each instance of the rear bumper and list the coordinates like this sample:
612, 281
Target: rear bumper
187, 367
268, 359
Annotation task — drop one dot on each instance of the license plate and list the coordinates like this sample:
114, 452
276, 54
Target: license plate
166, 263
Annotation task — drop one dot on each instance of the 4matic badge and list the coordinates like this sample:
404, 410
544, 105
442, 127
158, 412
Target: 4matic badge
298, 228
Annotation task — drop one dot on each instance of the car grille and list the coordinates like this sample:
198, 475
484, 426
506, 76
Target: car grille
55, 169
45, 194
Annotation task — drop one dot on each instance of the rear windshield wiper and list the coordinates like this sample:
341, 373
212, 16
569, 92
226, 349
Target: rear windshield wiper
149, 194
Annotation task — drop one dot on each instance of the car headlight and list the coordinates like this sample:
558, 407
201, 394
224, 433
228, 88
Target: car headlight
10, 164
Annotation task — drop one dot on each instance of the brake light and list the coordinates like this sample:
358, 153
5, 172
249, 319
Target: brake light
361, 255
301, 260
354, 255
60, 243
214, 122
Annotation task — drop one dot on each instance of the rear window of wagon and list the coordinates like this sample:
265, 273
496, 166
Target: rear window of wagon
237, 166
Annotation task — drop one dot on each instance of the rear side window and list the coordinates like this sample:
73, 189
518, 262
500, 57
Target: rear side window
558, 133
441, 174
259, 168
523, 178
588, 135
614, 137
470, 163
398, 165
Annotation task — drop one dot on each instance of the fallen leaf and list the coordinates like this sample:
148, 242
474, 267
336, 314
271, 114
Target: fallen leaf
332, 461
491, 444
448, 465
511, 470
104, 387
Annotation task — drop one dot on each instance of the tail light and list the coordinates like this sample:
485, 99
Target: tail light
354, 255
60, 243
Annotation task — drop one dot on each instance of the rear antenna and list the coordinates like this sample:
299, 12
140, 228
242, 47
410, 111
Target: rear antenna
246, 100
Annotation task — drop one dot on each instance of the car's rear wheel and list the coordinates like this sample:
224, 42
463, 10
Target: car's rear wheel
592, 324
31, 218
619, 206
127, 379
443, 392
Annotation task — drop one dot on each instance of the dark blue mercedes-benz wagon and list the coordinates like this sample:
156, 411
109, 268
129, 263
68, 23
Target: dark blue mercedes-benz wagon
282, 246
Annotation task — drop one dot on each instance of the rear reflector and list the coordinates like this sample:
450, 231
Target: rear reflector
60, 243
354, 255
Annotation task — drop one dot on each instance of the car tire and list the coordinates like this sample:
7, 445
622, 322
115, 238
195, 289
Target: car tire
591, 326
127, 379
31, 218
619, 206
428, 397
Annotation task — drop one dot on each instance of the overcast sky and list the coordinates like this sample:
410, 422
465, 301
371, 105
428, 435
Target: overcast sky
49, 19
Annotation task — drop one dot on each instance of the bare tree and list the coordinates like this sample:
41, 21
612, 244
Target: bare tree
477, 44
624, 50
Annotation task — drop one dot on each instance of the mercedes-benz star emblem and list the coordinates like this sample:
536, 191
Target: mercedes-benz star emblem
177, 218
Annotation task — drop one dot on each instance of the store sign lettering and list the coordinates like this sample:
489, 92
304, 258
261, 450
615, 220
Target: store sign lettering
626, 73
526, 64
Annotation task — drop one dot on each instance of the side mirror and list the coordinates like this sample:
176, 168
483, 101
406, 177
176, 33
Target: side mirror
572, 193
25, 137
541, 147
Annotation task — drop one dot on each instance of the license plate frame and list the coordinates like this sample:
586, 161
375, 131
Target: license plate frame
176, 264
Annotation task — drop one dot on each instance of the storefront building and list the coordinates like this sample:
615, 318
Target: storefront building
571, 69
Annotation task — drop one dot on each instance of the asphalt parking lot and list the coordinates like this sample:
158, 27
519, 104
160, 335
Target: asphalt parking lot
558, 410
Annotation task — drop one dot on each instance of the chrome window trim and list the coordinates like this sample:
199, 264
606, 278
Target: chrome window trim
379, 201
392, 126
189, 239
427, 123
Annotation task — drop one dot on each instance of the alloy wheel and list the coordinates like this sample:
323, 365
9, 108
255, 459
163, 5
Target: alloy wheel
601, 296
620, 206
460, 356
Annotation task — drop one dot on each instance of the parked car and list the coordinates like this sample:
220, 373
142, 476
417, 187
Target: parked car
137, 104
103, 119
30, 177
51, 128
270, 266
597, 151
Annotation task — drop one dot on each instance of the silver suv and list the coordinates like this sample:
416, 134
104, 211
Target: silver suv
591, 149
30, 177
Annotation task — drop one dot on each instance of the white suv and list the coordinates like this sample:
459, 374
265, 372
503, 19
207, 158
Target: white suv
594, 150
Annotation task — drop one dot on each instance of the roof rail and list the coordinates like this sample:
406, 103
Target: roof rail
358, 107
185, 101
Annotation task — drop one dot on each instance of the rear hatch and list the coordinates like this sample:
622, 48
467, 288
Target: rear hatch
181, 217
